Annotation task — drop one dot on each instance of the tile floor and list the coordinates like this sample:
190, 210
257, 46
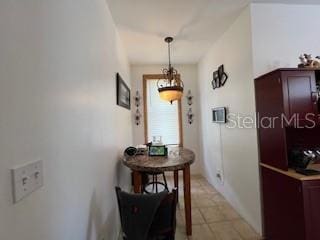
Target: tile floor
213, 218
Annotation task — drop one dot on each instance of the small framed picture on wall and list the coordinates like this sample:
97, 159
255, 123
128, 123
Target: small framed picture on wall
123, 93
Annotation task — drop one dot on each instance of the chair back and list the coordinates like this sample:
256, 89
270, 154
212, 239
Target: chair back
164, 222
137, 212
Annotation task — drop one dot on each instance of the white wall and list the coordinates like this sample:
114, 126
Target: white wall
281, 33
58, 61
263, 38
189, 75
232, 150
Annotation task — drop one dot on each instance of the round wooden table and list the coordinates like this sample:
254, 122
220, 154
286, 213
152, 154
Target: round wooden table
178, 159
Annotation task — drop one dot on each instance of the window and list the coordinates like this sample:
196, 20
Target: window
163, 118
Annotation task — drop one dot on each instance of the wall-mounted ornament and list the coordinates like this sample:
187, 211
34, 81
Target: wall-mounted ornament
190, 116
189, 98
219, 78
137, 117
137, 99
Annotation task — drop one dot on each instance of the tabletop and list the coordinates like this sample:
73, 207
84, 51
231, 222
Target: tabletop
178, 158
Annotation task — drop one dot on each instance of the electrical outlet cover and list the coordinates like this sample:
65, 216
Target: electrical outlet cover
219, 176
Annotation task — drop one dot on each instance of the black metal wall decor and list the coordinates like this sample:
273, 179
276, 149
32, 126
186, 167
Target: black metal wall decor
190, 116
189, 98
137, 99
219, 78
137, 115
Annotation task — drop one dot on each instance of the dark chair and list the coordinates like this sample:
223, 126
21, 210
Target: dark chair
164, 222
147, 216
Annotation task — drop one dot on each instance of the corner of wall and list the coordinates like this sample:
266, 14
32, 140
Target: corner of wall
240, 168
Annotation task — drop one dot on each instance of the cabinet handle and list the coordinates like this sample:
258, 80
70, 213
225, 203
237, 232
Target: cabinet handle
315, 97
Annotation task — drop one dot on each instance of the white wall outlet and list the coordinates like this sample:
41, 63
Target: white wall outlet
219, 175
26, 179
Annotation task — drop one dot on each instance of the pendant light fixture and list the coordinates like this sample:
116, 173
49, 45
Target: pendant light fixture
171, 87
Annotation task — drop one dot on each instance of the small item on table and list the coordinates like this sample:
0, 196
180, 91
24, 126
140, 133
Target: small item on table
158, 150
142, 150
130, 151
157, 140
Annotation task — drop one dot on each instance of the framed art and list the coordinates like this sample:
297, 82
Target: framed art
219, 78
123, 93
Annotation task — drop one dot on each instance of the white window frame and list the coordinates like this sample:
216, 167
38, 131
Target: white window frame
147, 77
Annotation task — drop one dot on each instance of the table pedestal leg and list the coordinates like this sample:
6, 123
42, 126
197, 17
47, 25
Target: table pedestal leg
187, 199
137, 182
176, 182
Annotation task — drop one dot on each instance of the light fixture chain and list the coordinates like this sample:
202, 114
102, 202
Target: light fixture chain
172, 87
169, 53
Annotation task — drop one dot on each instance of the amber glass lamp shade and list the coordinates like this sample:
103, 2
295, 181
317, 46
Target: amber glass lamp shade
171, 93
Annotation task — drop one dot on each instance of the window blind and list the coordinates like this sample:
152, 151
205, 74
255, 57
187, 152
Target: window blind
163, 117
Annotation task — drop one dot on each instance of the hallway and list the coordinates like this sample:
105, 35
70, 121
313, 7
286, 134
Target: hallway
213, 217
83, 81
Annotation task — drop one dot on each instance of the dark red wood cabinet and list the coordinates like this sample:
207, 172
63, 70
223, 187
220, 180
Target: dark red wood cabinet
291, 208
284, 98
270, 107
300, 93
311, 194
287, 109
283, 206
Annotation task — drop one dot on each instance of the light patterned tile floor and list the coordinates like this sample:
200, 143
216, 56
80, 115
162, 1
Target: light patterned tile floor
213, 218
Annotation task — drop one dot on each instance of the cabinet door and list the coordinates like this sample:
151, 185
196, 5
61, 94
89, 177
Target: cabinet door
269, 107
300, 97
282, 206
311, 193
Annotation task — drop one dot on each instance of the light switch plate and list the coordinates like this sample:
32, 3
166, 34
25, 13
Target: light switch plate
26, 179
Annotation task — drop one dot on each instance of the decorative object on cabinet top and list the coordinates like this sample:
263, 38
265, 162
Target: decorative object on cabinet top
219, 78
189, 98
306, 61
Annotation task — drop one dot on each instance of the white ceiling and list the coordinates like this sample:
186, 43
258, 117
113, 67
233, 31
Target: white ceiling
195, 25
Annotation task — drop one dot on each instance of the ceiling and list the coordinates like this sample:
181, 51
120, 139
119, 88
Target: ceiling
195, 25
